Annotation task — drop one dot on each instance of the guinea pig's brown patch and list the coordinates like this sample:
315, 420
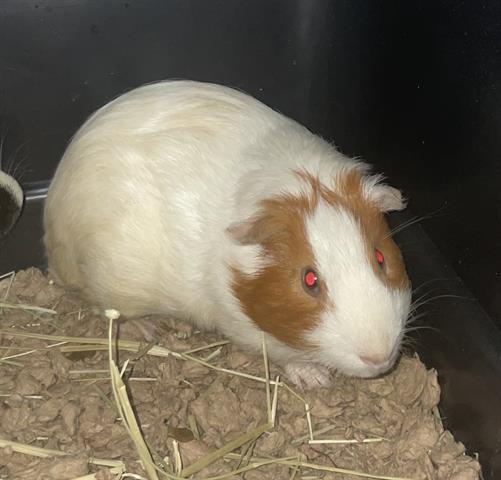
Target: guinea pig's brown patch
275, 299
348, 192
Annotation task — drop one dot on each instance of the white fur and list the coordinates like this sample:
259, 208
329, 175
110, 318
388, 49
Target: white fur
10, 184
15, 200
140, 205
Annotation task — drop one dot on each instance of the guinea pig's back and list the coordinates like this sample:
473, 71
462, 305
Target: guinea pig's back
138, 200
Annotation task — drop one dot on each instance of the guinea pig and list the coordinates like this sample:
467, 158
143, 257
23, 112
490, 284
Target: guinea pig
11, 202
195, 200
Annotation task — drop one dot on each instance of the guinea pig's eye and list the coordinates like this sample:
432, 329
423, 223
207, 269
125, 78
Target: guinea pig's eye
379, 257
310, 281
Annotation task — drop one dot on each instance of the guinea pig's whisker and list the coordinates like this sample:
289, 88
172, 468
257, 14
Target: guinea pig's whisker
404, 225
414, 318
422, 300
421, 327
16, 165
408, 344
428, 282
415, 220
17, 169
423, 296
458, 297
415, 306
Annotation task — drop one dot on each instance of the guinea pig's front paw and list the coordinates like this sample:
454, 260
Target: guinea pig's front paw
308, 375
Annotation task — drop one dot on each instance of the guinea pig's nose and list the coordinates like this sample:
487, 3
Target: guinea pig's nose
374, 360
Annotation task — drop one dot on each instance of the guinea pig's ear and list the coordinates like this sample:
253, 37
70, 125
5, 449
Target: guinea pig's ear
240, 232
387, 198
11, 202
251, 231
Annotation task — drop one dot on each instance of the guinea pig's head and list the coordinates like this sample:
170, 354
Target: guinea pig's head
11, 202
328, 280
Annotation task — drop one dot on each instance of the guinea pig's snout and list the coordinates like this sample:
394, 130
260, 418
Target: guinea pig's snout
374, 360
378, 361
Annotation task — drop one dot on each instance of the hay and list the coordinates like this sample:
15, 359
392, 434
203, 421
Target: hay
126, 413
131, 346
30, 308
116, 467
124, 407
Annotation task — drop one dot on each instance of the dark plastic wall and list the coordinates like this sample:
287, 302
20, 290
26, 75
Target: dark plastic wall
413, 87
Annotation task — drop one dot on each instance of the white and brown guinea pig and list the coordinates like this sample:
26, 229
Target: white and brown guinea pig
11, 202
196, 200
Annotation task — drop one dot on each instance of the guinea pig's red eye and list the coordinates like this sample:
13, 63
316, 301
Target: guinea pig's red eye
379, 257
310, 281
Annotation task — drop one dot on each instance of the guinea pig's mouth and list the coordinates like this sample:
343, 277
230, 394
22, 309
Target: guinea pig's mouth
360, 369
378, 370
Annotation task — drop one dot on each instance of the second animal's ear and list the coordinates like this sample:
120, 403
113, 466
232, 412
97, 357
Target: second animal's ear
11, 202
387, 199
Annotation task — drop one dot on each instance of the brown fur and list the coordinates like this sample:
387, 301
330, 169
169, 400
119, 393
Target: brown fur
275, 299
